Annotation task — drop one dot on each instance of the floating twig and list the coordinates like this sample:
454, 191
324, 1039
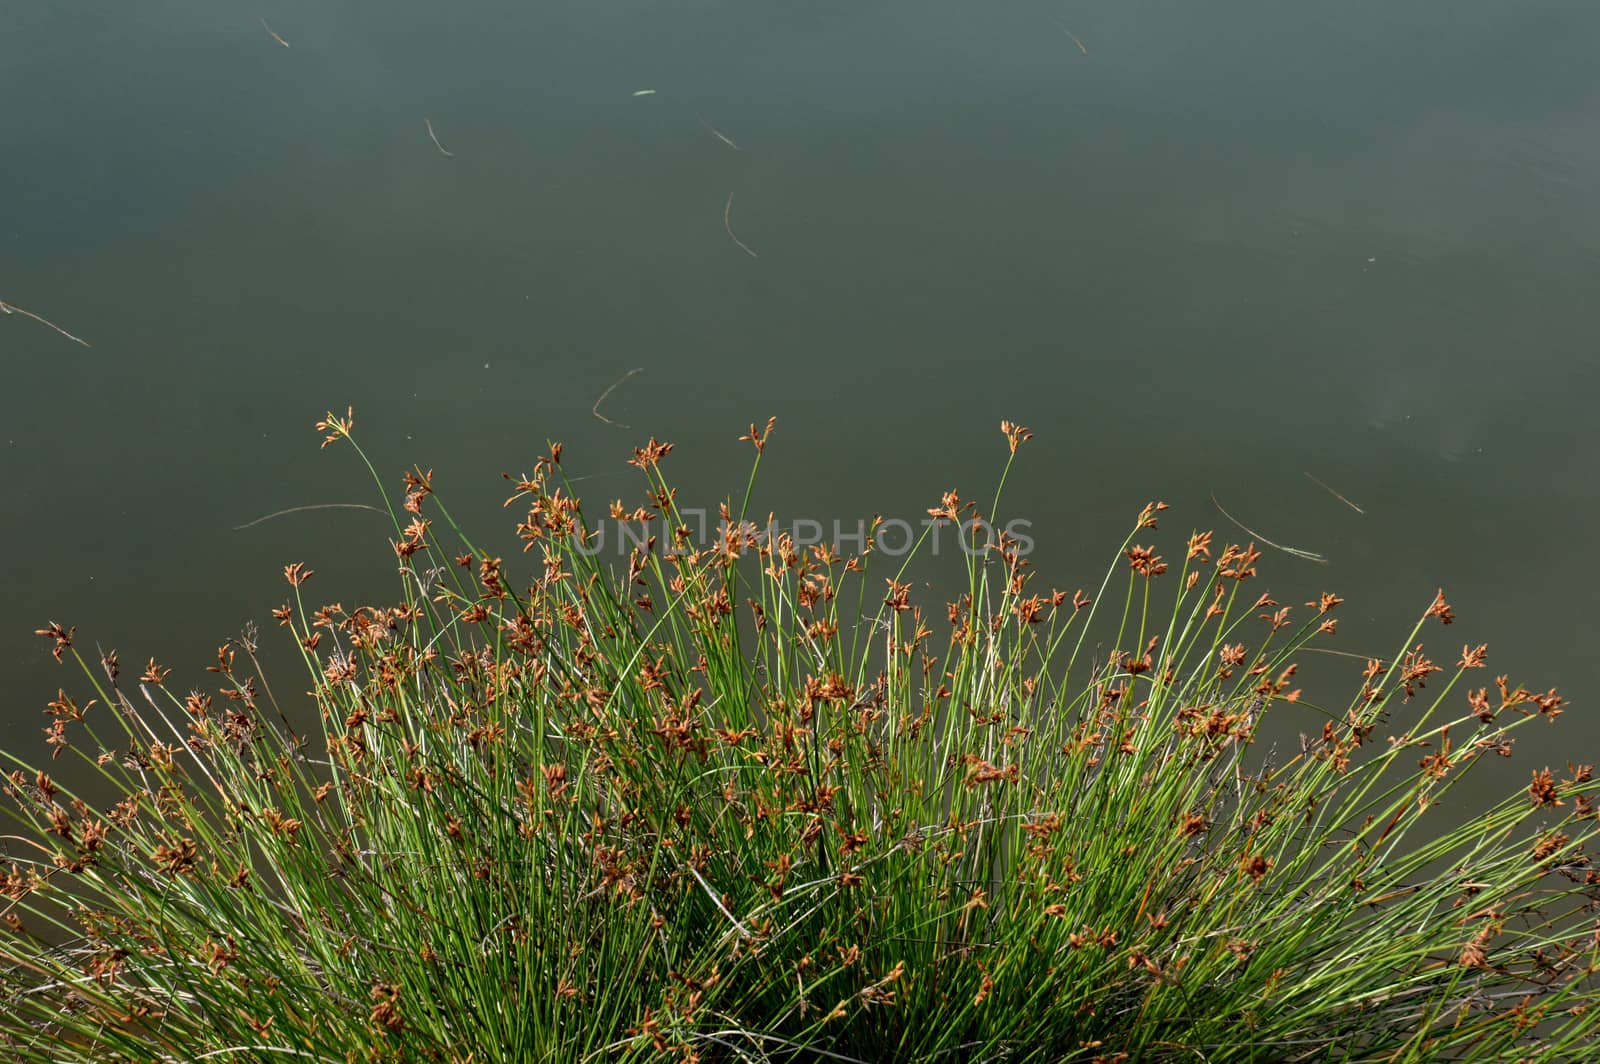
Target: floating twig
1335, 494
9, 309
1340, 653
274, 36
718, 134
313, 506
603, 395
1074, 36
728, 225
645, 92
1310, 556
433, 137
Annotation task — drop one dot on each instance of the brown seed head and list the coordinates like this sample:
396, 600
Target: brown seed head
1016, 435
336, 427
1440, 608
62, 636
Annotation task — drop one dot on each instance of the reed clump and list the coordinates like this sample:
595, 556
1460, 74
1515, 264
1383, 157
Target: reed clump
746, 801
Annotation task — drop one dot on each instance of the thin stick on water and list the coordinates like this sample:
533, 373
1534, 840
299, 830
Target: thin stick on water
431, 136
727, 224
1074, 37
274, 36
1340, 653
1310, 556
718, 133
1335, 494
313, 506
9, 309
603, 395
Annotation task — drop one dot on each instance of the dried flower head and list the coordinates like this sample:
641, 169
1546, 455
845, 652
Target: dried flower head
62, 636
758, 437
337, 428
1016, 435
1440, 608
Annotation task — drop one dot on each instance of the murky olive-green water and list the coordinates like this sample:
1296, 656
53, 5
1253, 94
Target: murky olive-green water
1197, 248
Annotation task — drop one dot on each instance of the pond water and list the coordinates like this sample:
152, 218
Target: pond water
1201, 250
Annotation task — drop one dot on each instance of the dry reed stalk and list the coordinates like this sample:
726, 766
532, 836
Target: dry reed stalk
727, 224
1310, 556
273, 35
1335, 494
603, 396
9, 308
434, 137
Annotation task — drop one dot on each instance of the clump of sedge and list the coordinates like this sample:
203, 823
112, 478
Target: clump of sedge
747, 800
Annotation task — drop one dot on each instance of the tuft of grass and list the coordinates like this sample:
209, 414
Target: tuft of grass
747, 800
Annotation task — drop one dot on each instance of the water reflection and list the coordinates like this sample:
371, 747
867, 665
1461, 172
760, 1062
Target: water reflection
1207, 252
